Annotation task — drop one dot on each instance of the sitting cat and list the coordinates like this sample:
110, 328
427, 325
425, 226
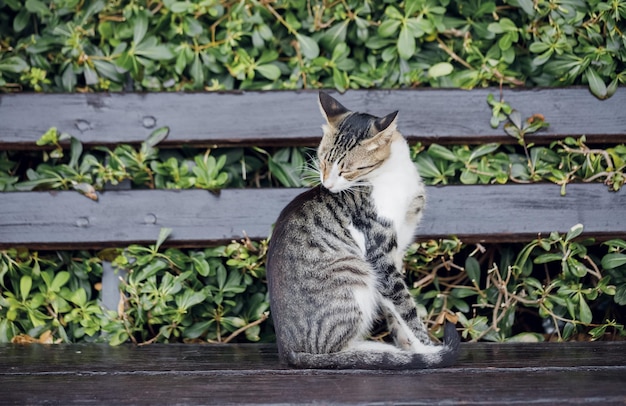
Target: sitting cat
335, 258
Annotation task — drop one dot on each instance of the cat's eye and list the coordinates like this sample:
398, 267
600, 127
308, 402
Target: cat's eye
361, 168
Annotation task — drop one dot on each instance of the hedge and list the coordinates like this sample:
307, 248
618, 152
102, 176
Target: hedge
74, 45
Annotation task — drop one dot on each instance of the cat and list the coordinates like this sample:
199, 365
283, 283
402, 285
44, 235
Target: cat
335, 256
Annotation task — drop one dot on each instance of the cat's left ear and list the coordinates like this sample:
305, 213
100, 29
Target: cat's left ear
386, 123
385, 128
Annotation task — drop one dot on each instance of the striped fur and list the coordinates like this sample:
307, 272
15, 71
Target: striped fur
335, 257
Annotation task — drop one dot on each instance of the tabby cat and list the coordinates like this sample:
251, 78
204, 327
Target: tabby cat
335, 257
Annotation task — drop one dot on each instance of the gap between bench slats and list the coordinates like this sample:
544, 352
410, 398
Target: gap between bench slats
292, 118
476, 213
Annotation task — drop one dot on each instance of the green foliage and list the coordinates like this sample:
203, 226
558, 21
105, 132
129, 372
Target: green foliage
561, 162
50, 296
556, 284
67, 45
166, 295
169, 296
558, 287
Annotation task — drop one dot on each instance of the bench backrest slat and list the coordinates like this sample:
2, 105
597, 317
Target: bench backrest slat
292, 118
67, 220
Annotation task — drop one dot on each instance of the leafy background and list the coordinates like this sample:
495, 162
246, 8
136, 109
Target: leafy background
72, 45
555, 287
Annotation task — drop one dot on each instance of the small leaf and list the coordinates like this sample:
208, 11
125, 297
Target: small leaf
269, 71
585, 312
574, 232
163, 235
308, 46
140, 27
440, 69
596, 84
472, 268
60, 279
438, 151
26, 284
406, 43
13, 64
612, 261
85, 189
157, 136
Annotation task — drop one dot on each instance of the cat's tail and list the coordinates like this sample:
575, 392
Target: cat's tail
380, 359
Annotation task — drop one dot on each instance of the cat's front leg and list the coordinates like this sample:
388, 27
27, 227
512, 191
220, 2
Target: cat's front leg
406, 328
397, 303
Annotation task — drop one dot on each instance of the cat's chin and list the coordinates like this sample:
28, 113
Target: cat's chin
336, 188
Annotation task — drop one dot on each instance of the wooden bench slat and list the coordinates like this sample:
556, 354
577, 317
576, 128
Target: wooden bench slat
292, 118
477, 213
546, 373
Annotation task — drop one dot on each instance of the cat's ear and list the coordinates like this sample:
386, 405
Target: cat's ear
387, 122
331, 109
384, 129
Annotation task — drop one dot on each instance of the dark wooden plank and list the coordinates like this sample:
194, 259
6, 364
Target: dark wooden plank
188, 358
487, 213
571, 373
292, 117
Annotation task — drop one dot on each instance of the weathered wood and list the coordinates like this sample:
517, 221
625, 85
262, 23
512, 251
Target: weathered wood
570, 373
292, 118
487, 213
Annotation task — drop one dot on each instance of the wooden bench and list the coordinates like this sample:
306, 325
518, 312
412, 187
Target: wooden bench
192, 374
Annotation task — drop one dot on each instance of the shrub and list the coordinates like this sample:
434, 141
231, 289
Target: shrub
67, 45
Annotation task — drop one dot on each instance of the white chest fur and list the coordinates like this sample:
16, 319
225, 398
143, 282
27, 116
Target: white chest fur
395, 187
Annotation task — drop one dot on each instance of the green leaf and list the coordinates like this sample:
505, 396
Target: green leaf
440, 69
585, 312
439, 151
13, 64
549, 257
140, 27
78, 297
150, 49
596, 84
26, 284
472, 268
269, 71
308, 46
388, 28
37, 7
164, 233
21, 20
574, 232
60, 279
612, 261
426, 166
406, 43
157, 136
538, 47
468, 177
528, 6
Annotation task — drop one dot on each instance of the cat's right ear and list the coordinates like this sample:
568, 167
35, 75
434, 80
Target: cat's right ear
331, 109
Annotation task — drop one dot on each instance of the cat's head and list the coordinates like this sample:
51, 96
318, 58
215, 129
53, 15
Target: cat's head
353, 146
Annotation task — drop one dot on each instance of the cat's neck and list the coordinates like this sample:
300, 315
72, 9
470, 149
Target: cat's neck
394, 186
398, 173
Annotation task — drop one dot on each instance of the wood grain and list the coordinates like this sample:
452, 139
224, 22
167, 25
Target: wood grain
568, 373
477, 213
292, 117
